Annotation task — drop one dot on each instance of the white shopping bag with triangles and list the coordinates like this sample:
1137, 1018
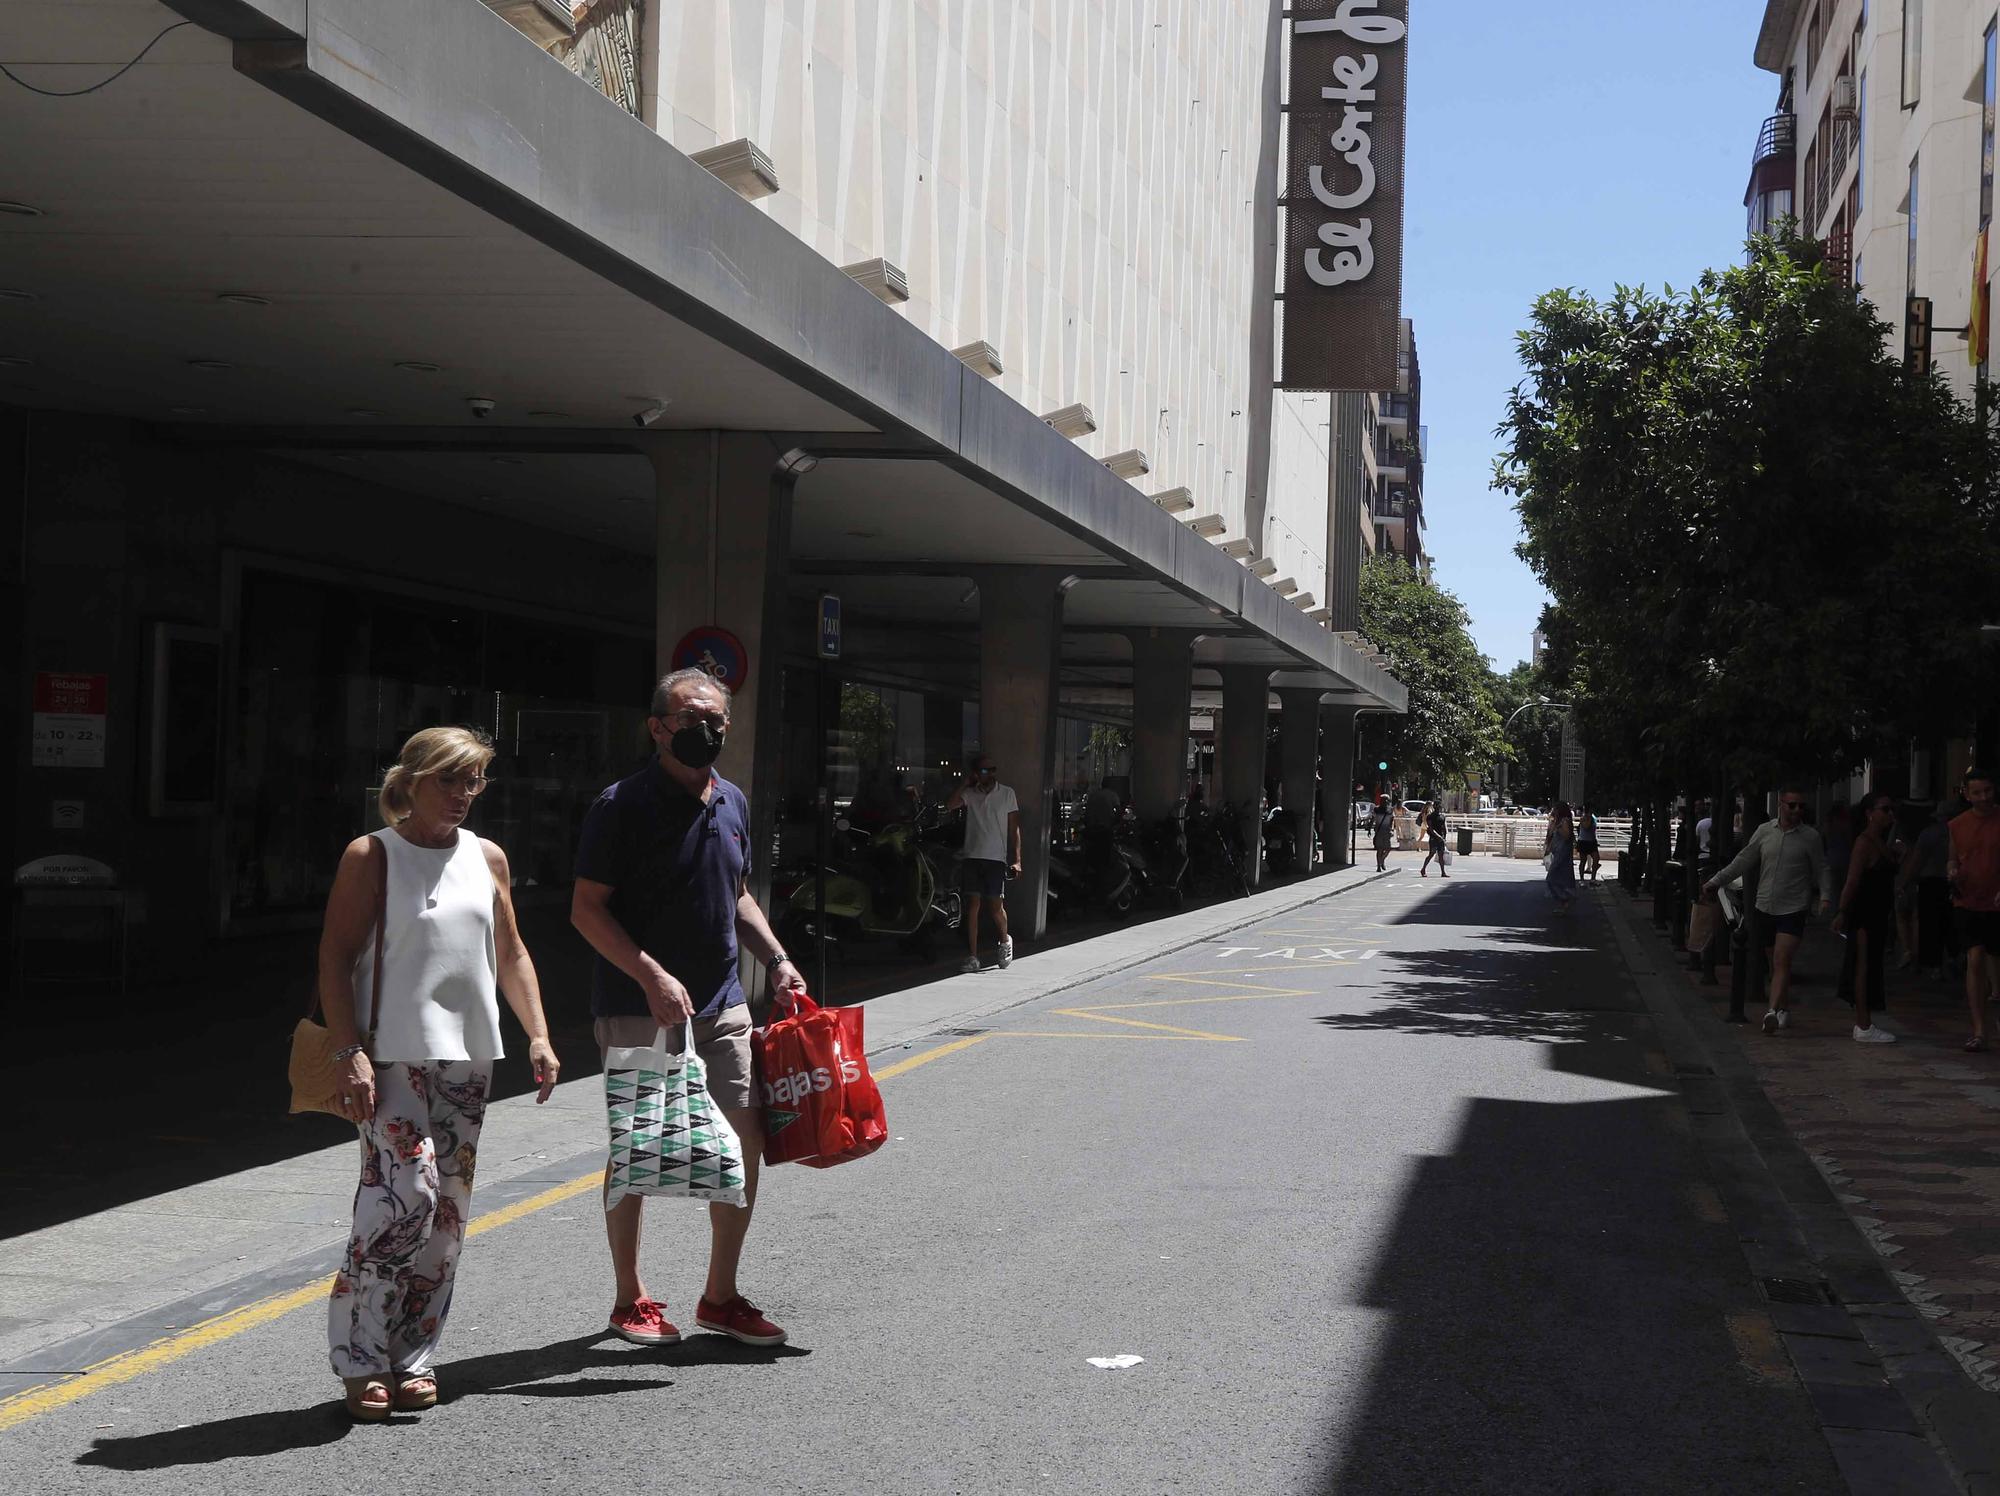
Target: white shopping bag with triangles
668, 1137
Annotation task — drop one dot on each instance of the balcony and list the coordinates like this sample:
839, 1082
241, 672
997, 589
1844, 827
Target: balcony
1774, 164
1395, 414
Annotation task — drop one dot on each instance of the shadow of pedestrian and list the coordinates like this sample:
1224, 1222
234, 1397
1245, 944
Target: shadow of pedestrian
554, 1370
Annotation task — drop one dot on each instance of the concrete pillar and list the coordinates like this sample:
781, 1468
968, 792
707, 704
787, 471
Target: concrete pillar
1240, 743
1298, 759
1020, 640
1337, 781
724, 539
1162, 689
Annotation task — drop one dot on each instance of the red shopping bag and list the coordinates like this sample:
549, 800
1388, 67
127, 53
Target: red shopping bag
821, 1106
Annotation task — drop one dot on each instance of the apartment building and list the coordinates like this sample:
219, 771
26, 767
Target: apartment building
1881, 146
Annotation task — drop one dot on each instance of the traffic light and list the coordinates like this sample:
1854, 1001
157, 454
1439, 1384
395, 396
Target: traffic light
1917, 334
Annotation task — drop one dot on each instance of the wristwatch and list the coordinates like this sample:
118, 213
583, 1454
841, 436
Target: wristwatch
778, 958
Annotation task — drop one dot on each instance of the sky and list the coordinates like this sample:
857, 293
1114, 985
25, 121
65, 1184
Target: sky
1578, 143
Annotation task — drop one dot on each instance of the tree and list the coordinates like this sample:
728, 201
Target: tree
1451, 726
1769, 546
1532, 746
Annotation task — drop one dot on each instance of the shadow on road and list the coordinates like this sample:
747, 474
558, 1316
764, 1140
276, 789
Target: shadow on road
1561, 1322
554, 1370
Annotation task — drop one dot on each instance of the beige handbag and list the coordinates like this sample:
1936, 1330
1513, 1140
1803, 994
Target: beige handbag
313, 1072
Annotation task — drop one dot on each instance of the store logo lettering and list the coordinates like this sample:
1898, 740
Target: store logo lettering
1352, 244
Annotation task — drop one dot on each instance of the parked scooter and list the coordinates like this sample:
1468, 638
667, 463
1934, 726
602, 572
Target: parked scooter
881, 885
1098, 874
1215, 843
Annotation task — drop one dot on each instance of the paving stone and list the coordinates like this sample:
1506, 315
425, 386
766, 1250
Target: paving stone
1889, 1464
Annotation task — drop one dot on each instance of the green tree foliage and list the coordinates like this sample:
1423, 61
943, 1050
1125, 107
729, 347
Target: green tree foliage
1451, 726
1768, 546
1532, 746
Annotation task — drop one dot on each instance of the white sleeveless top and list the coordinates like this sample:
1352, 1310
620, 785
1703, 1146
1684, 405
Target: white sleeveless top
438, 960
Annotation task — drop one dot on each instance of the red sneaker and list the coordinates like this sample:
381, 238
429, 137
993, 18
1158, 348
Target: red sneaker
739, 1320
644, 1323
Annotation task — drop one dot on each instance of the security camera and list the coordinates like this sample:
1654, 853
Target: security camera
651, 414
480, 407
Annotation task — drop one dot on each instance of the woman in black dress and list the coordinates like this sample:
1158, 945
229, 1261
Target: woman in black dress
1867, 916
1434, 830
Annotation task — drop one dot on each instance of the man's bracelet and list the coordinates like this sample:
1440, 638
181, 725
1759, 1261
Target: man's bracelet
341, 1056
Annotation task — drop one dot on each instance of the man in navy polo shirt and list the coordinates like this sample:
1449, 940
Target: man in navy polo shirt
662, 896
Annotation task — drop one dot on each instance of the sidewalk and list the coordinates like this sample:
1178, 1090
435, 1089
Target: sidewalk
1875, 1173
74, 1294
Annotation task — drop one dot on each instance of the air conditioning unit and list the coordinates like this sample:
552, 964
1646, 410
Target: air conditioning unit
1132, 463
1264, 567
886, 280
1072, 420
1239, 549
982, 358
742, 164
1175, 500
1285, 586
1208, 525
1846, 104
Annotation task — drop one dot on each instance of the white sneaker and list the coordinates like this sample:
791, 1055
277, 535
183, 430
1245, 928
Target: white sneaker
1873, 1035
971, 967
1784, 1018
1006, 949
1771, 1020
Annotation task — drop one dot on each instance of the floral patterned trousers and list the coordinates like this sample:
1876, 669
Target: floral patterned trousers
393, 1289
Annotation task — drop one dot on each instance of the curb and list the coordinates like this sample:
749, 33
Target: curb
1896, 1408
943, 1023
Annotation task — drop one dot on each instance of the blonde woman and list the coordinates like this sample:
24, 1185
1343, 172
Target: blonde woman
416, 1058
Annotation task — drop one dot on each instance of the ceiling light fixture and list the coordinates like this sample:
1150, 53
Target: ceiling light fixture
14, 361
549, 415
417, 366
243, 298
188, 410
9, 293
362, 411
20, 210
211, 365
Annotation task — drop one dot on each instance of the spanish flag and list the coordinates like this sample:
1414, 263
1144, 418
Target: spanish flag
1980, 321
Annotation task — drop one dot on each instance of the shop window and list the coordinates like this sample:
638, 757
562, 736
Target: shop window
333, 678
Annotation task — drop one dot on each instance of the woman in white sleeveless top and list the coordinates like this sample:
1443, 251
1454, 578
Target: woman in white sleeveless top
417, 1058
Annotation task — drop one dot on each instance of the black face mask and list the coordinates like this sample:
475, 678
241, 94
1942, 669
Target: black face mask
697, 746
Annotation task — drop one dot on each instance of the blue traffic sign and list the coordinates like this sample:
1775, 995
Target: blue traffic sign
829, 626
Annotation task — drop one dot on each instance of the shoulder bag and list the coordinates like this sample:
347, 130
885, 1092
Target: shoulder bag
314, 1075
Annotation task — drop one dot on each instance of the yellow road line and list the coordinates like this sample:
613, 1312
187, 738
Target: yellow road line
127, 1365
1165, 1028
1181, 1038
124, 1367
904, 1067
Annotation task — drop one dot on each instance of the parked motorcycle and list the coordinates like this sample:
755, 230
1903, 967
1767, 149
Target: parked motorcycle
1164, 845
1099, 873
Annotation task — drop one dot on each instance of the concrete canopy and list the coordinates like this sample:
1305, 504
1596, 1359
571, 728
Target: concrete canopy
393, 186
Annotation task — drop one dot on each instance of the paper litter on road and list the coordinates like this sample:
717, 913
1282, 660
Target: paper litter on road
1115, 1363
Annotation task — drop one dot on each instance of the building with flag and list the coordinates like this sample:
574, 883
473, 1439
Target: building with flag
1881, 146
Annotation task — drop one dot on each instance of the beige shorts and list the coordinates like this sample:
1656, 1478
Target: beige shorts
723, 1042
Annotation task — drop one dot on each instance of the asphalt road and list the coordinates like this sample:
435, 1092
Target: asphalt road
1388, 1193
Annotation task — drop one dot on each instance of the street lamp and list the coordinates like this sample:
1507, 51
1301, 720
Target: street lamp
1507, 726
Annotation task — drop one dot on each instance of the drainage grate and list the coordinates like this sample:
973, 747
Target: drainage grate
965, 1033
1797, 1291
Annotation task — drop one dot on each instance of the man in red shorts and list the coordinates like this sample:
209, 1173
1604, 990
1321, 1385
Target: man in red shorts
1974, 871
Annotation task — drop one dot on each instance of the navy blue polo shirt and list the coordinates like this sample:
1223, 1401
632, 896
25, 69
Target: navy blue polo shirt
675, 867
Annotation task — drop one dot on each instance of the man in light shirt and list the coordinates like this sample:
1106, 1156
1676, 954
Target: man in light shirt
1790, 860
992, 854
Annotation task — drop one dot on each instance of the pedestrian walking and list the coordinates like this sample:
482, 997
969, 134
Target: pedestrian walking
1791, 863
1558, 856
1974, 871
992, 855
1432, 820
419, 936
1704, 832
1586, 845
1382, 831
1866, 913
662, 895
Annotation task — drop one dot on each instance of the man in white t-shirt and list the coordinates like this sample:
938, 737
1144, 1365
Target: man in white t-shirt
992, 854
